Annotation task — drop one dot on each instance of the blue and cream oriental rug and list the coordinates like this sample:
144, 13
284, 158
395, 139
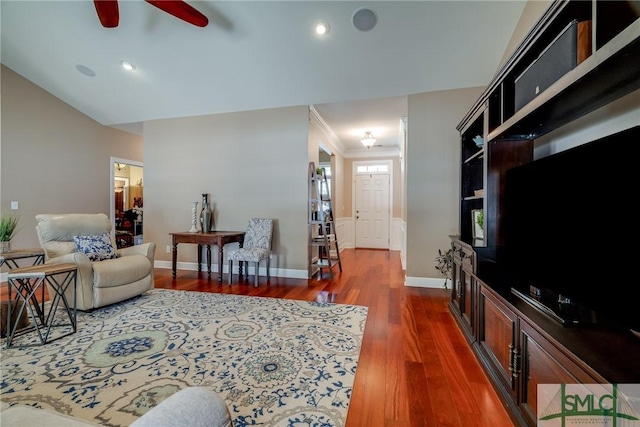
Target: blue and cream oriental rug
275, 362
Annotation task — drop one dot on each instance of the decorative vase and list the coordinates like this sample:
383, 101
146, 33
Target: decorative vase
5, 247
206, 215
194, 217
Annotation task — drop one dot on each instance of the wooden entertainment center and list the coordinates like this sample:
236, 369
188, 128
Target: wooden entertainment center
518, 345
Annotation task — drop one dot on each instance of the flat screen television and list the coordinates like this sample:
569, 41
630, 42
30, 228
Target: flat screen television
571, 229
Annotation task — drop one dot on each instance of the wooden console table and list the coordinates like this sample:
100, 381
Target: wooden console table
217, 238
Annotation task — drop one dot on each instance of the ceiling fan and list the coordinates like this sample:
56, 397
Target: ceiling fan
108, 12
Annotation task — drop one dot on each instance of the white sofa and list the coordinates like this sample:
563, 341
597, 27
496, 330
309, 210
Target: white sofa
99, 283
192, 406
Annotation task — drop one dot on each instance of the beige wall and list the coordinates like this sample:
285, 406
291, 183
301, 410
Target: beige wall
315, 138
54, 159
253, 164
433, 175
338, 185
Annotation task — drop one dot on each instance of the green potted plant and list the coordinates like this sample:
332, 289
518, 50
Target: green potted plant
478, 223
8, 228
444, 262
480, 219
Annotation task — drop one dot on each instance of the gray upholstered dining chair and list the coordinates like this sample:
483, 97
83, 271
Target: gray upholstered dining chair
256, 247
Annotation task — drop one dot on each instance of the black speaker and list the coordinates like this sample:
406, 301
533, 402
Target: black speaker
364, 19
560, 57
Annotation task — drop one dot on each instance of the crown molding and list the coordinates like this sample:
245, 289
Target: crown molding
316, 119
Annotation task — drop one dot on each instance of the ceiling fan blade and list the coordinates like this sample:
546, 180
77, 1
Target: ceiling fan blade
181, 10
107, 12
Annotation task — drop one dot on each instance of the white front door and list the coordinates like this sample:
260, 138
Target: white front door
372, 211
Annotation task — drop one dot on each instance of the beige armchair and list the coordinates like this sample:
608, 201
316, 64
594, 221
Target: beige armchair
99, 283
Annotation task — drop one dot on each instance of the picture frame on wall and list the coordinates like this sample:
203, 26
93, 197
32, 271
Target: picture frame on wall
477, 232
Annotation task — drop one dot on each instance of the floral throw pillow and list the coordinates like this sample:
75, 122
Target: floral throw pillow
97, 248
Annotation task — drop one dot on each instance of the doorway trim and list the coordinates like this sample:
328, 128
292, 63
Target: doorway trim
112, 177
354, 172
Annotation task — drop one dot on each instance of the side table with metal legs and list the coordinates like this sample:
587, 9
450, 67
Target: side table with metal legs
13, 260
26, 282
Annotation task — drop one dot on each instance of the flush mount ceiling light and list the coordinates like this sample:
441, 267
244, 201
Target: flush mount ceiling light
322, 28
368, 139
128, 65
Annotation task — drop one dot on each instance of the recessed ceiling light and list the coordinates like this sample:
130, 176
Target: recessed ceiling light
322, 28
128, 66
85, 70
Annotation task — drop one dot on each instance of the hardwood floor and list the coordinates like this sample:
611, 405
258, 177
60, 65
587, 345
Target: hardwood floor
415, 367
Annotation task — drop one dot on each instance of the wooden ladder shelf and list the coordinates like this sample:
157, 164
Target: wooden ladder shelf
324, 253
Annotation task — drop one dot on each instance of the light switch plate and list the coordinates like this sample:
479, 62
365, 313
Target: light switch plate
14, 206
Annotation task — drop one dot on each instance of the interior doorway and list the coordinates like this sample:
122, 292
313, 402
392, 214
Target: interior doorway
127, 201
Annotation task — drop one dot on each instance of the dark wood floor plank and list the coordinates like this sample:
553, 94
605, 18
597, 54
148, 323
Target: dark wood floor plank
418, 396
396, 402
373, 393
410, 334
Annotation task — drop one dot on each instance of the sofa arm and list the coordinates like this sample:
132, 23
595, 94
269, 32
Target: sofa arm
146, 249
84, 279
192, 406
85, 268
26, 415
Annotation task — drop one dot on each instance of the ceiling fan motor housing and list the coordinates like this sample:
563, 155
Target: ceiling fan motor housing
109, 14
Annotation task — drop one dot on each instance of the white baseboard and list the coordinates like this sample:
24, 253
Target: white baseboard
417, 282
275, 272
193, 266
426, 282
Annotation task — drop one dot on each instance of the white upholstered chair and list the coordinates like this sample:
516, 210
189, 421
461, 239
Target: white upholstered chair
256, 247
120, 275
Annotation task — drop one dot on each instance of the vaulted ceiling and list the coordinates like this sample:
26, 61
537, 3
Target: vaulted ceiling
255, 55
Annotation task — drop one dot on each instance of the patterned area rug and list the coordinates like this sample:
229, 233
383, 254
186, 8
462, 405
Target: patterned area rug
275, 362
